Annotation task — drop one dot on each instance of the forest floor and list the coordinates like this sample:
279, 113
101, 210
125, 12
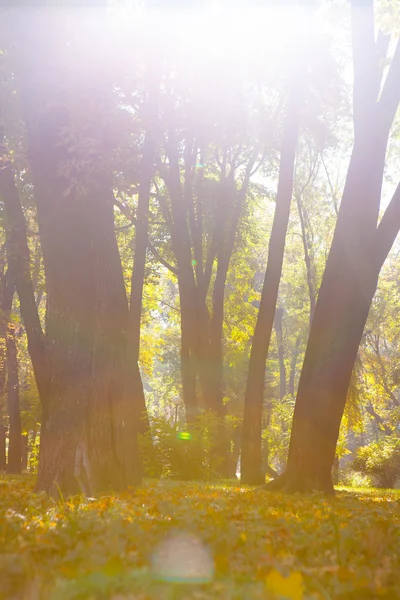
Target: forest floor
182, 540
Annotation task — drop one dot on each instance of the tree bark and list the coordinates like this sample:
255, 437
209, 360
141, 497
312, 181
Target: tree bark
24, 451
7, 293
307, 257
351, 274
89, 425
141, 244
281, 355
3, 460
251, 460
293, 363
19, 270
12, 394
190, 334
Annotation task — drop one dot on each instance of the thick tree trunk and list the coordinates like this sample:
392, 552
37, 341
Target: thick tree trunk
251, 461
357, 253
89, 425
12, 394
188, 373
335, 336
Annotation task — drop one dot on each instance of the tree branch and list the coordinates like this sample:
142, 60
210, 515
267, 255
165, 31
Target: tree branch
388, 228
150, 246
390, 97
370, 409
162, 260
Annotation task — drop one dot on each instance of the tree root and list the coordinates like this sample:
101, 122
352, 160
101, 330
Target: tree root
288, 483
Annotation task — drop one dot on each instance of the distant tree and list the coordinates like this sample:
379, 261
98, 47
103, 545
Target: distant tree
13, 409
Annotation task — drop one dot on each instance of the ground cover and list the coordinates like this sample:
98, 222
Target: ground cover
172, 540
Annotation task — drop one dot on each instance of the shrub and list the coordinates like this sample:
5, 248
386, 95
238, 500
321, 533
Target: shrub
380, 460
185, 452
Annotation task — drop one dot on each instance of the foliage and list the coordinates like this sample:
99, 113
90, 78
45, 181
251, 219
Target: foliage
381, 460
180, 451
263, 546
34, 442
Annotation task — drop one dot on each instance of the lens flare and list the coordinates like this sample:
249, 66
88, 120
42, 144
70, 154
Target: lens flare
182, 558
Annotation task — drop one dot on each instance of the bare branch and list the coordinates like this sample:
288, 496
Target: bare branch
162, 260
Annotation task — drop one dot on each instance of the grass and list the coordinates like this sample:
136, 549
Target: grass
169, 541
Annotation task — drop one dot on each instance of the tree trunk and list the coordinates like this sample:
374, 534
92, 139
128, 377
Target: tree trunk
188, 373
12, 394
281, 357
336, 331
31, 446
89, 425
7, 294
3, 461
293, 363
190, 334
307, 257
24, 451
141, 243
251, 461
358, 251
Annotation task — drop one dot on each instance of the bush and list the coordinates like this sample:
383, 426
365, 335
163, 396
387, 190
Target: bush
380, 460
185, 452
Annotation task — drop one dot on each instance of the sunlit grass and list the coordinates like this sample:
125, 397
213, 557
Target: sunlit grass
232, 542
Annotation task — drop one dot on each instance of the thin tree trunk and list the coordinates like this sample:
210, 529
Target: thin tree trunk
251, 461
293, 363
7, 293
181, 245
141, 243
307, 258
12, 394
24, 451
31, 446
225, 250
281, 356
19, 269
3, 461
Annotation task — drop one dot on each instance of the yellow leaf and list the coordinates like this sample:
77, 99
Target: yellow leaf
287, 588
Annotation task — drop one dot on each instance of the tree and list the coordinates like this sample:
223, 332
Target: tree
147, 169
359, 248
14, 416
210, 155
88, 391
251, 459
